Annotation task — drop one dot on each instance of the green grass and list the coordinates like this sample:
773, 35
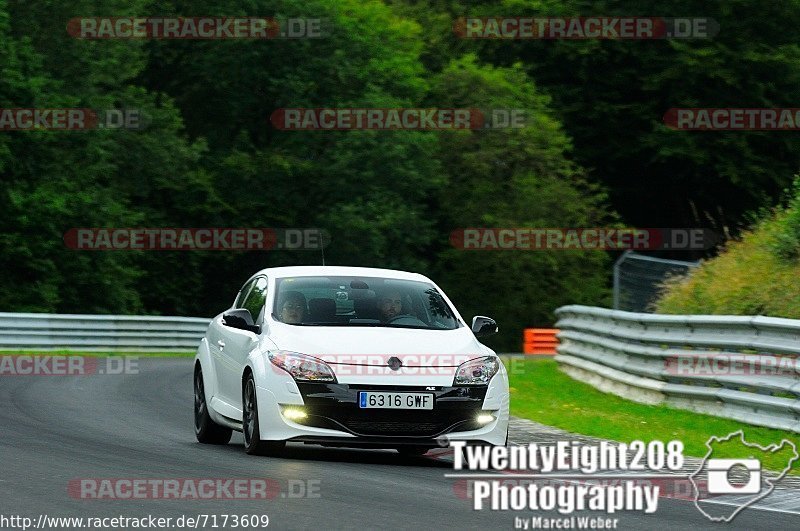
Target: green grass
96, 354
542, 393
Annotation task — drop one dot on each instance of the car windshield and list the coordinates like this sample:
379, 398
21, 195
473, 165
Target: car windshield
361, 301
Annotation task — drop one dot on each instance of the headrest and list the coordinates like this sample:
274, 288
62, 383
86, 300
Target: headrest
322, 309
366, 309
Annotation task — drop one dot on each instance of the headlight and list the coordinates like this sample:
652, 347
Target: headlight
301, 367
477, 372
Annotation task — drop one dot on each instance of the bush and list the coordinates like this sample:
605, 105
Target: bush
755, 275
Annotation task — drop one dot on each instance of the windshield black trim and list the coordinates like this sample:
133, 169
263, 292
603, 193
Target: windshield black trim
367, 325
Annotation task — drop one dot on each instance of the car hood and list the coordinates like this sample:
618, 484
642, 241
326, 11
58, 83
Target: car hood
364, 355
367, 344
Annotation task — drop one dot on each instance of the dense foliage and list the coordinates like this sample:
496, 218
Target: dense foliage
209, 157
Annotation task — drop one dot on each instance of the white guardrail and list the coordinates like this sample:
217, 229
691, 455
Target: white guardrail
743, 368
41, 331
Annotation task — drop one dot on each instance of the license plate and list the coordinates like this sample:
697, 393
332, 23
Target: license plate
382, 400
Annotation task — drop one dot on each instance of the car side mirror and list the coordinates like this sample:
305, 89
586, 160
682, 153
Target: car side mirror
241, 320
484, 326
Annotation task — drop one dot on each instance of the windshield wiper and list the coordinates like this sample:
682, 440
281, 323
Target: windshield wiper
323, 323
416, 327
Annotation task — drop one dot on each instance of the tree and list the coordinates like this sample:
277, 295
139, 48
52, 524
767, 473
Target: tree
514, 178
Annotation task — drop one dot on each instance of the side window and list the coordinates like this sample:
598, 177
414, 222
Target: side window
243, 294
255, 300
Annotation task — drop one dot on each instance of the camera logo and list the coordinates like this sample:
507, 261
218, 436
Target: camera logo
731, 478
722, 473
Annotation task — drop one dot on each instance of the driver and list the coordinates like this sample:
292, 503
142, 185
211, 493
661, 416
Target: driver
293, 308
390, 305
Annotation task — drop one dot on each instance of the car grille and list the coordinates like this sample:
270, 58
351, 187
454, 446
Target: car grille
410, 428
392, 423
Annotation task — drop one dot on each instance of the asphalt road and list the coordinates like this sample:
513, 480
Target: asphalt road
57, 429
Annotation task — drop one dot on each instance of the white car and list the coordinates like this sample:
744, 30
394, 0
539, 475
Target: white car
347, 356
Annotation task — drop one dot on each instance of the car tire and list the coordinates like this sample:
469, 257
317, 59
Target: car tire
253, 444
206, 430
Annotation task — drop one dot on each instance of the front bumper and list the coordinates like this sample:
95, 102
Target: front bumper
336, 420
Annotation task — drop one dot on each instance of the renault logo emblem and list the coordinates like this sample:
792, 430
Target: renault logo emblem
395, 363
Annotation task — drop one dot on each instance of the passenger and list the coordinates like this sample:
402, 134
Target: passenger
390, 305
294, 308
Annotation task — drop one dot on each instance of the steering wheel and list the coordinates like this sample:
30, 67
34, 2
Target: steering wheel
415, 320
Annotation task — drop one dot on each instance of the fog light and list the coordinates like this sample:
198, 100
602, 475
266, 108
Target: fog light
485, 418
294, 413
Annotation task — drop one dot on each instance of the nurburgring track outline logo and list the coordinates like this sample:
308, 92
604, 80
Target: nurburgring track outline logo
719, 474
